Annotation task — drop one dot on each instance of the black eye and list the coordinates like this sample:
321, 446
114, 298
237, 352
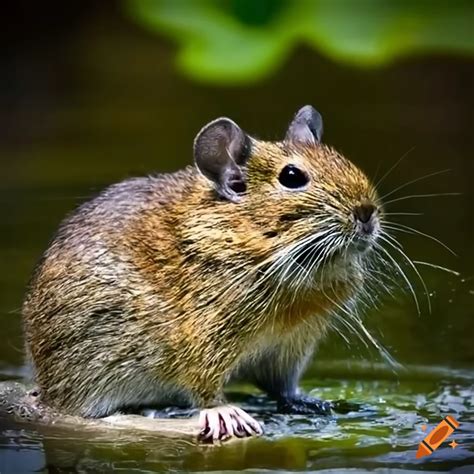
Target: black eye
292, 177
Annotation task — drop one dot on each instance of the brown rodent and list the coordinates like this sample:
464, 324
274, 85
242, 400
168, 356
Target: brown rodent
163, 288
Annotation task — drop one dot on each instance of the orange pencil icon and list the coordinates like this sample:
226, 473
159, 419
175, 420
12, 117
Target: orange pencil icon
436, 436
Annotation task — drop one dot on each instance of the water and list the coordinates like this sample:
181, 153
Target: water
90, 105
383, 433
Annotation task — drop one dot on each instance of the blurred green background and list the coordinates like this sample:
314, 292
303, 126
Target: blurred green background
94, 92
243, 41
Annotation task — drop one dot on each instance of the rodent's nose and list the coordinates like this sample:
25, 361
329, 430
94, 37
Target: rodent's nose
364, 212
364, 215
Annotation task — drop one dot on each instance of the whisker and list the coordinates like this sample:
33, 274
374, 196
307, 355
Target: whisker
412, 265
396, 226
285, 263
301, 247
403, 275
392, 239
374, 177
345, 322
355, 318
394, 166
340, 306
388, 272
403, 214
438, 267
415, 196
334, 327
313, 256
430, 175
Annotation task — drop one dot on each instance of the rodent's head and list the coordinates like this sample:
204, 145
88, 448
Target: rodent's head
308, 201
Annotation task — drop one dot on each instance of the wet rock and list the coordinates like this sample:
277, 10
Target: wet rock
22, 403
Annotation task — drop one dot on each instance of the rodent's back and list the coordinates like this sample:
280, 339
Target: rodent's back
82, 311
92, 239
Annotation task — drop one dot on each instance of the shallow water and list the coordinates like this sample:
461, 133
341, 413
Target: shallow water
91, 103
382, 431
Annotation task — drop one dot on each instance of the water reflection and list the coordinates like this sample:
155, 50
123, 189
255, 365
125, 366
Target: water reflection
384, 432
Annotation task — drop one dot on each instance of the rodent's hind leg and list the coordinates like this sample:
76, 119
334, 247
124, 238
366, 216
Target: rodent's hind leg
227, 421
303, 405
277, 372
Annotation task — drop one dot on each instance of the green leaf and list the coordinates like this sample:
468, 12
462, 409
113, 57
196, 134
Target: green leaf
237, 41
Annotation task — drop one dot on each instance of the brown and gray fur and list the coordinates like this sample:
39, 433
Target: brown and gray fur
165, 287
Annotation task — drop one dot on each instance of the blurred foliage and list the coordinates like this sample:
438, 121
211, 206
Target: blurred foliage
241, 41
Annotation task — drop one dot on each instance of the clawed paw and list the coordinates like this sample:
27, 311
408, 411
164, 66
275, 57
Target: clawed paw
224, 422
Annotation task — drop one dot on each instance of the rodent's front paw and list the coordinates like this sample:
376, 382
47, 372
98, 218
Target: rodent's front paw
224, 422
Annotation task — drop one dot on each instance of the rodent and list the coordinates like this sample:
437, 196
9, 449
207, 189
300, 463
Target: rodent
163, 288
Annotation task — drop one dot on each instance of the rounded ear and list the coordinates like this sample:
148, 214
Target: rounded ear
221, 150
306, 128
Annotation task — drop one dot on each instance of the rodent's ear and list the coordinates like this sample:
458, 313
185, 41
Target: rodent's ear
221, 150
306, 128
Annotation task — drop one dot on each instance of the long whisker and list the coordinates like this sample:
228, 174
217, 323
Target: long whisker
394, 166
402, 274
337, 319
285, 262
292, 258
391, 238
403, 214
313, 255
346, 322
374, 177
430, 175
412, 265
396, 226
340, 306
438, 267
385, 354
318, 259
385, 272
416, 196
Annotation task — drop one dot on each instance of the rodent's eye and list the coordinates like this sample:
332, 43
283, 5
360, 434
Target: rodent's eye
292, 177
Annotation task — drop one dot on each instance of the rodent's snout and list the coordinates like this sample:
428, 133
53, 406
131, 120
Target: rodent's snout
366, 219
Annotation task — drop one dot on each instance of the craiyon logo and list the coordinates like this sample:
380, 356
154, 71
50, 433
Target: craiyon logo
437, 436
